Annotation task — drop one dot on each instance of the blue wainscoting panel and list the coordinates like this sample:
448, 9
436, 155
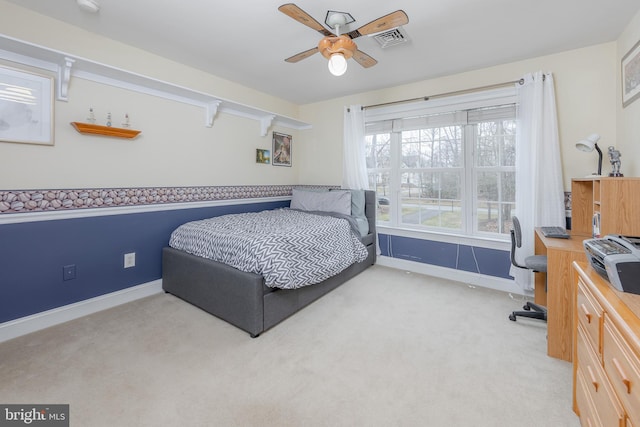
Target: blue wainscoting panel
493, 262
33, 254
426, 251
467, 260
490, 262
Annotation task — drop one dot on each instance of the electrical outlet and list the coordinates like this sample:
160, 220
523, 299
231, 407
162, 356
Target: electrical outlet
69, 272
130, 260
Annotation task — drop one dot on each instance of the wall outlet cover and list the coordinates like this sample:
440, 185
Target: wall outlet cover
69, 272
130, 260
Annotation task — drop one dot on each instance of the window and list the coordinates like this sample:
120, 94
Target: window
450, 170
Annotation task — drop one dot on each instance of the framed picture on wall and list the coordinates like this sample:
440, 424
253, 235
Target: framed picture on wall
263, 156
26, 107
281, 149
631, 75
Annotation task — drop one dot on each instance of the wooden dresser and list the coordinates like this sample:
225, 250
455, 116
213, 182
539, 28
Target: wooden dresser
606, 359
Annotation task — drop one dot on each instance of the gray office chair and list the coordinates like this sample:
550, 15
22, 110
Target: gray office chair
536, 263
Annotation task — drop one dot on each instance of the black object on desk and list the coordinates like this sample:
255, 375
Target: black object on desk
555, 232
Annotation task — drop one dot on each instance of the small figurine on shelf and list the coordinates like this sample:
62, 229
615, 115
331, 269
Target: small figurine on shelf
126, 121
109, 119
92, 118
614, 158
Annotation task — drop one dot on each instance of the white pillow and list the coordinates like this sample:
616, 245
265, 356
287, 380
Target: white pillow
327, 201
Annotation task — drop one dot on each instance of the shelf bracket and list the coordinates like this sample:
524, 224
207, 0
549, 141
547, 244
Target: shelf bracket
265, 123
211, 110
64, 76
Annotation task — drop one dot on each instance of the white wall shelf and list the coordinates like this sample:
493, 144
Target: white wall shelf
67, 66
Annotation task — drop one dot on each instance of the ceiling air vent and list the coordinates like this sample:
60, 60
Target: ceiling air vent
390, 38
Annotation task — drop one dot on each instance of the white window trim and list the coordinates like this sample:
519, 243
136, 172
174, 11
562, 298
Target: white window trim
480, 99
475, 241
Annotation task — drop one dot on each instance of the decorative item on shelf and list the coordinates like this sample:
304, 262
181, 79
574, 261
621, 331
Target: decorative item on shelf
588, 144
596, 225
614, 158
126, 121
91, 129
109, 119
92, 116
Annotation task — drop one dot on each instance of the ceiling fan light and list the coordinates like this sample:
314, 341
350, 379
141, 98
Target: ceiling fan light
91, 6
337, 64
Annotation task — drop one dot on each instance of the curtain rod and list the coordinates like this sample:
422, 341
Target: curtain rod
442, 95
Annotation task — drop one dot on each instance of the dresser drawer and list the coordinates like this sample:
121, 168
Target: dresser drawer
590, 315
622, 368
609, 409
588, 414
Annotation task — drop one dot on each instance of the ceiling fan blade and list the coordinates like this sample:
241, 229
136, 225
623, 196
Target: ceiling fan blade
303, 17
302, 55
363, 59
387, 22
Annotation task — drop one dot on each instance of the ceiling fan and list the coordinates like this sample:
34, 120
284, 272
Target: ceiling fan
337, 48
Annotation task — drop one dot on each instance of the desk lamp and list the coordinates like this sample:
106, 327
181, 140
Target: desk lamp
588, 144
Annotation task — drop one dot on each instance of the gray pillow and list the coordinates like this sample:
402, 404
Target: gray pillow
357, 202
357, 210
327, 201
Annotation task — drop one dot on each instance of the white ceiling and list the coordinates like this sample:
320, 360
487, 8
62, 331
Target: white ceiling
247, 41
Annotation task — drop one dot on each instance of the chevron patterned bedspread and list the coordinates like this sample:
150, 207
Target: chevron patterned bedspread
289, 248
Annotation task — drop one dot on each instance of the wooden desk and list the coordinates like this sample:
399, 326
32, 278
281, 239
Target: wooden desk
559, 296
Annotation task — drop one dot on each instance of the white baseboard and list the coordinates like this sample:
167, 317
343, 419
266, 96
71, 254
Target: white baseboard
475, 279
45, 319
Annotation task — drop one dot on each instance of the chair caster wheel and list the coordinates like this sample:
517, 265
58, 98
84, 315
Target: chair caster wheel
526, 307
512, 317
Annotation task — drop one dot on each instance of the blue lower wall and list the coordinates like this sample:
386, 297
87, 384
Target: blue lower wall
490, 262
32, 255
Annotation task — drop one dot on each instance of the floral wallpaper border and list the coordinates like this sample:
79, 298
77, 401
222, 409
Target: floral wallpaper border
22, 201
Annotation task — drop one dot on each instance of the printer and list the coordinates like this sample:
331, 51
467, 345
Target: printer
617, 259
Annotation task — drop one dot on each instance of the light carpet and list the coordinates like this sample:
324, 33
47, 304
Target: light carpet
388, 348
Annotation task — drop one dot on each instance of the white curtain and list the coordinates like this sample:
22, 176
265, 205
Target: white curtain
354, 164
539, 186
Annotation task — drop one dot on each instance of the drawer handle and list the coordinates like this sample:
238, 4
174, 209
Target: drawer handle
594, 381
622, 375
586, 312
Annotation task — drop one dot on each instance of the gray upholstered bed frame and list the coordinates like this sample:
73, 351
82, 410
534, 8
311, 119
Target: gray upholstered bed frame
241, 298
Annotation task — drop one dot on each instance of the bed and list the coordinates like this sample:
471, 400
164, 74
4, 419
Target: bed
242, 298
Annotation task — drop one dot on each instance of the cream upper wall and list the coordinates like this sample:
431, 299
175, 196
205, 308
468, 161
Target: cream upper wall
628, 117
174, 148
585, 85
